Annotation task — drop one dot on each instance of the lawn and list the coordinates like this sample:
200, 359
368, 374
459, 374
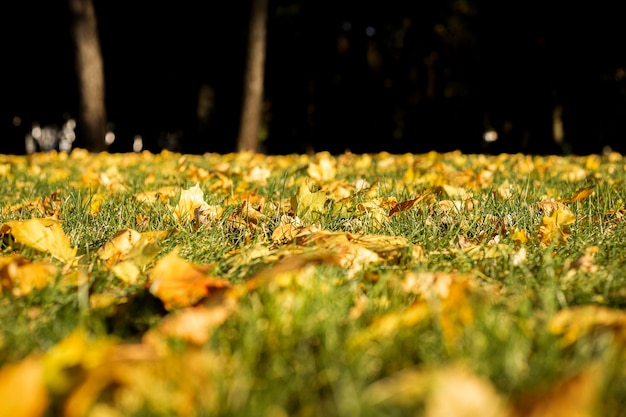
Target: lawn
312, 285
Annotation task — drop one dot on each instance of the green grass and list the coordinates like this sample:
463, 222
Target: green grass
325, 324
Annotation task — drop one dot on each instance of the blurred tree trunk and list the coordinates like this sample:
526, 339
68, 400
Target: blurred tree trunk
253, 84
92, 120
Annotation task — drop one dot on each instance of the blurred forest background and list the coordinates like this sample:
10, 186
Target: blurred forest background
401, 76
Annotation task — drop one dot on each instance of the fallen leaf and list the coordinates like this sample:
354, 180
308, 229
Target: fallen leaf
448, 297
45, 235
190, 199
307, 205
128, 251
163, 194
119, 245
388, 324
406, 205
457, 392
556, 226
579, 195
194, 324
179, 283
94, 202
23, 276
323, 168
23, 391
575, 322
574, 396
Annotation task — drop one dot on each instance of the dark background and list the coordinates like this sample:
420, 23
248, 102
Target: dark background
400, 76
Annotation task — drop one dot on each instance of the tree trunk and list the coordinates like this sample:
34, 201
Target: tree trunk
92, 120
253, 88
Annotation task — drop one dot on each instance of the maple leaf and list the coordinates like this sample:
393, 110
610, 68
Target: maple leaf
556, 226
307, 205
128, 251
48, 206
44, 235
119, 245
247, 216
190, 200
179, 283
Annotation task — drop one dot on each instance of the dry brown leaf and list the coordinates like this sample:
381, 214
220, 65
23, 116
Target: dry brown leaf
247, 216
407, 204
48, 206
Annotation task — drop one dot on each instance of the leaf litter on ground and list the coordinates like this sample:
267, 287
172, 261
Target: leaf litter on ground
376, 284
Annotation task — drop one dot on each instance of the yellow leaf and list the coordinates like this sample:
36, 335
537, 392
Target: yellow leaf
456, 391
119, 245
23, 392
193, 324
68, 359
129, 251
284, 233
94, 202
579, 195
575, 322
388, 324
127, 272
23, 275
307, 205
519, 235
556, 226
574, 396
323, 168
189, 201
179, 283
448, 294
163, 194
45, 235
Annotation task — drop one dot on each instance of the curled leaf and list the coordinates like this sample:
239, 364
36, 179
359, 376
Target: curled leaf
44, 235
